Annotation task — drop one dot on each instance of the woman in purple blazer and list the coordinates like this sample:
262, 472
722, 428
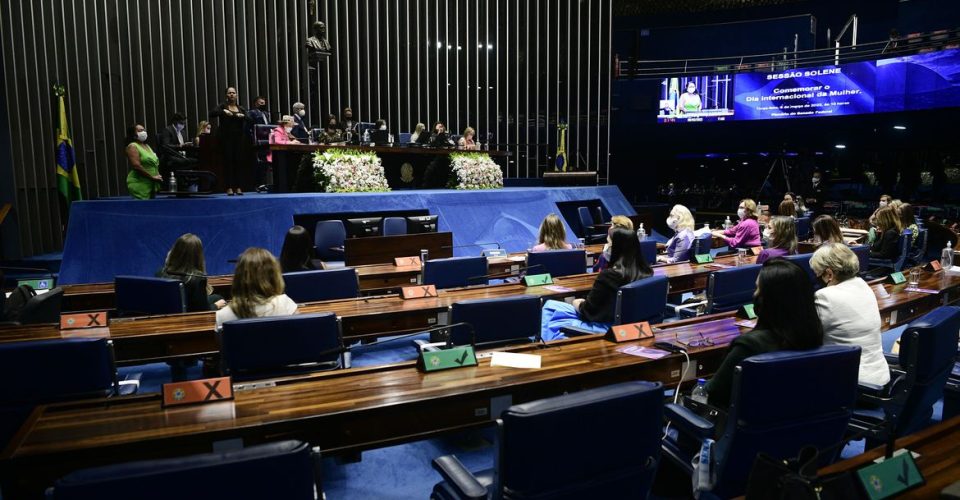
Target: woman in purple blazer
746, 234
781, 234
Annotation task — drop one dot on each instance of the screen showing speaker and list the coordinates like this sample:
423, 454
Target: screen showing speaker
914, 82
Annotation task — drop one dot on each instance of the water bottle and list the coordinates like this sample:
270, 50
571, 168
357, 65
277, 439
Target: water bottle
173, 183
727, 224
366, 136
699, 393
946, 258
641, 233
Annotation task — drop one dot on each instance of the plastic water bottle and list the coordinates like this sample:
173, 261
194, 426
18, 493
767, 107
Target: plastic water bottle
727, 223
173, 183
699, 393
366, 136
946, 258
641, 233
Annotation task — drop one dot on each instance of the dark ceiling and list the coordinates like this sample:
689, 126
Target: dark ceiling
648, 7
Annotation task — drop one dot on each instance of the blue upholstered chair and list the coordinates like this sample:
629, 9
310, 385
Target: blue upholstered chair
557, 262
455, 271
145, 295
863, 254
928, 350
539, 457
804, 229
405, 137
642, 300
701, 245
328, 240
393, 226
780, 403
648, 248
284, 469
897, 264
311, 286
496, 321
918, 252
42, 308
259, 348
727, 290
586, 220
803, 260
45, 371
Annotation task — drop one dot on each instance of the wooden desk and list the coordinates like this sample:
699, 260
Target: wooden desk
939, 461
383, 150
346, 410
383, 249
373, 278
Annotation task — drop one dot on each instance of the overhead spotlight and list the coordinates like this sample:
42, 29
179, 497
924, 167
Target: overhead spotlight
439, 45
899, 127
489, 46
726, 159
841, 146
745, 163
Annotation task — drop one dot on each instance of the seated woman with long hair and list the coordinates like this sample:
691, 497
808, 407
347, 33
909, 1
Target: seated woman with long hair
887, 245
595, 313
257, 289
297, 252
552, 235
603, 261
185, 262
782, 235
826, 230
786, 321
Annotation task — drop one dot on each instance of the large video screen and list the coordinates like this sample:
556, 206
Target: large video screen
921, 81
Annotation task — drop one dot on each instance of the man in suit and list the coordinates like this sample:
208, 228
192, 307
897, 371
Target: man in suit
300, 128
171, 146
258, 112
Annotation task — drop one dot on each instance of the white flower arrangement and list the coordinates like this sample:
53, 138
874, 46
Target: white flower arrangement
348, 171
474, 171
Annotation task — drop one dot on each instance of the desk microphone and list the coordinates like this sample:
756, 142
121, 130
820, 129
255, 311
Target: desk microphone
444, 331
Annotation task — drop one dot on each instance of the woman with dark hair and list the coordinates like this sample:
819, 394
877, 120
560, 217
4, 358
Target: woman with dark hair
689, 101
781, 234
143, 180
596, 311
230, 133
826, 230
297, 252
786, 321
185, 262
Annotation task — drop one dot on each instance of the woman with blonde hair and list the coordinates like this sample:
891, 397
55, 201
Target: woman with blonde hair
257, 289
418, 134
467, 142
681, 222
552, 235
603, 261
185, 262
746, 234
782, 235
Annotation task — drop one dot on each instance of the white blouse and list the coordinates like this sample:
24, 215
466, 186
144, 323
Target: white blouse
851, 316
278, 305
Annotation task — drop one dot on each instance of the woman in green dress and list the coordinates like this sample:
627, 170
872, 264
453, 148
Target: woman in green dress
143, 180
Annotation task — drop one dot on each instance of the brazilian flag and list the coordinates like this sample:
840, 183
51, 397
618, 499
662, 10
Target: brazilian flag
68, 180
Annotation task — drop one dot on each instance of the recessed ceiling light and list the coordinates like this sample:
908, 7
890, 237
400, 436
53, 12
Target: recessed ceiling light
841, 146
899, 127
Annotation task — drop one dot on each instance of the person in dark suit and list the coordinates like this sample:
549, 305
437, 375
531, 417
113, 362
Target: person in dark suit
300, 128
817, 194
258, 114
172, 140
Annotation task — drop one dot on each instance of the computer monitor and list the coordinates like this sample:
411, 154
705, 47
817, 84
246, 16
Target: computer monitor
367, 226
419, 224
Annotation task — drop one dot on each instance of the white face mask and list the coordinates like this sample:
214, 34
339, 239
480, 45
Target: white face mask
179, 127
383, 127
672, 223
883, 203
302, 112
606, 252
288, 129
816, 180
142, 136
206, 130
767, 234
742, 213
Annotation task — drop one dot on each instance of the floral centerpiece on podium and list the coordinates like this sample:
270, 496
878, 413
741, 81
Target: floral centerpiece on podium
348, 171
474, 171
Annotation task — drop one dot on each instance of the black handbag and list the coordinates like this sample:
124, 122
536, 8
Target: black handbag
796, 479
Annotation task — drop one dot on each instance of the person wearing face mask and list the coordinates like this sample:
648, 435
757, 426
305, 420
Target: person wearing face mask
885, 200
786, 320
203, 129
300, 128
233, 142
746, 234
347, 123
331, 133
817, 195
681, 222
781, 233
143, 180
380, 135
283, 134
848, 309
172, 141
258, 114
467, 142
616, 221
